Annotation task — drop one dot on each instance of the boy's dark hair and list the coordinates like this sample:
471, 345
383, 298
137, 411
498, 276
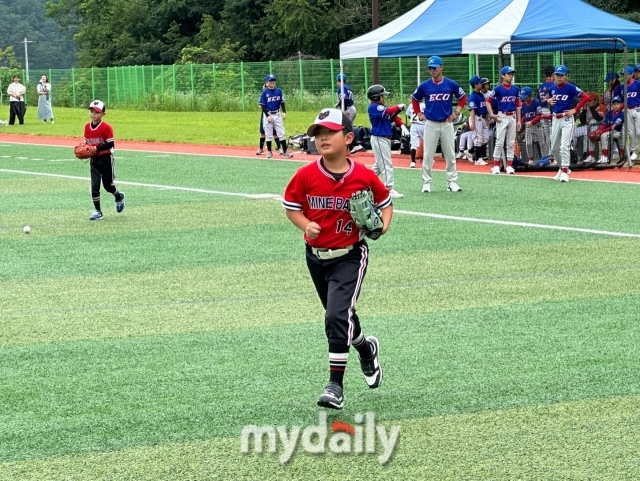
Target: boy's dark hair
548, 70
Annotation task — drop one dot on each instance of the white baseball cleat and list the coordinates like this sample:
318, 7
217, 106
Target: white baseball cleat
426, 188
603, 159
459, 155
564, 177
480, 162
510, 170
395, 194
454, 187
412, 165
634, 156
559, 174
590, 159
495, 170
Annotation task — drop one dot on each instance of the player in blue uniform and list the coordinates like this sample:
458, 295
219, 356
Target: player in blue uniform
260, 150
612, 126
478, 120
531, 116
439, 115
561, 100
508, 118
345, 97
381, 118
633, 105
271, 101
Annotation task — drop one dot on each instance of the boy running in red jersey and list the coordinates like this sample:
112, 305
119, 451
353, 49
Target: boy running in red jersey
100, 134
317, 202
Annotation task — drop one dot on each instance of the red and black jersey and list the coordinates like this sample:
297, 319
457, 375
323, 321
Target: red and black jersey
98, 135
324, 200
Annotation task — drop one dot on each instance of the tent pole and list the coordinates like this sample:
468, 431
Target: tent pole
374, 25
477, 72
342, 85
418, 68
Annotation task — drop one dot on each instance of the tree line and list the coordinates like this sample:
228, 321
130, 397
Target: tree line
99, 33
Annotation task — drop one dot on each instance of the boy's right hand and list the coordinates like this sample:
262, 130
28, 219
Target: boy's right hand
312, 230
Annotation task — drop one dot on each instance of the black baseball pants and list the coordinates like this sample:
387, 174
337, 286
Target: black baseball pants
102, 168
338, 282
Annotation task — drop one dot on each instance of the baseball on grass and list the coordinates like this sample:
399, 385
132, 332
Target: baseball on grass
26, 229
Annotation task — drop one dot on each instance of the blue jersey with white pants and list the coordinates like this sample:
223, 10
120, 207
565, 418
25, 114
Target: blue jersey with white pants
438, 97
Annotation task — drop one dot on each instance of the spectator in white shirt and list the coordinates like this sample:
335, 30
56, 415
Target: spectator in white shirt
17, 106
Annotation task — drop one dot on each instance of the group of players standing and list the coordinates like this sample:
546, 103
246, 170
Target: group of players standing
545, 116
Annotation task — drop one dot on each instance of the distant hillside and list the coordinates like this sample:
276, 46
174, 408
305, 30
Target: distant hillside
51, 48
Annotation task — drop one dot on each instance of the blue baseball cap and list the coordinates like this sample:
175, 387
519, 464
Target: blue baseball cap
270, 77
616, 99
475, 80
525, 92
341, 77
561, 70
637, 67
434, 61
507, 69
628, 70
611, 76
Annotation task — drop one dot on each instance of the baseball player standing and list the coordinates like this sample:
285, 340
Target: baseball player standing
271, 101
416, 131
381, 118
561, 99
261, 130
478, 120
507, 119
438, 116
633, 105
317, 201
345, 94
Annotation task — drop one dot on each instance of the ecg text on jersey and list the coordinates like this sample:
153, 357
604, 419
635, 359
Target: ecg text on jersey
434, 97
273, 98
329, 203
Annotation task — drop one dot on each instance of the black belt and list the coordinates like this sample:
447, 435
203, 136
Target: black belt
274, 111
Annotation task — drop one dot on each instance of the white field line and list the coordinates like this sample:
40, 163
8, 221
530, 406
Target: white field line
405, 212
517, 224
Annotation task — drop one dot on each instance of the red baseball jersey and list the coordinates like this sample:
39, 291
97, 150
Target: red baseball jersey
325, 200
100, 134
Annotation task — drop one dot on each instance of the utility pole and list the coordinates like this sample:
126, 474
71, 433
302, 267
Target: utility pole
26, 56
374, 25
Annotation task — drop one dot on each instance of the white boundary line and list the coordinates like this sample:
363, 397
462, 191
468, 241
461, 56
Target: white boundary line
517, 224
406, 212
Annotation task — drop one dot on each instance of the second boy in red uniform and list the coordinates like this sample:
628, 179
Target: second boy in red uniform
100, 135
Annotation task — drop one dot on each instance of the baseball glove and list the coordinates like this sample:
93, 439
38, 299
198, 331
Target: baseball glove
594, 135
84, 151
365, 215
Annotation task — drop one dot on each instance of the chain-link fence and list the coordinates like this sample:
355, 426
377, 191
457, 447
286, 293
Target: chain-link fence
308, 85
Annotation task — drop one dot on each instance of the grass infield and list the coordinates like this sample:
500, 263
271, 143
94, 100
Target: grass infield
138, 347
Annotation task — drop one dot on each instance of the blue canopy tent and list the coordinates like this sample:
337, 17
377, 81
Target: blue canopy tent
454, 27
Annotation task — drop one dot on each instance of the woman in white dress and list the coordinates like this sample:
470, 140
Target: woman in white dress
44, 100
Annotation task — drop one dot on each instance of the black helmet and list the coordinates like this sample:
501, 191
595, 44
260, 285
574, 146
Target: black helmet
376, 91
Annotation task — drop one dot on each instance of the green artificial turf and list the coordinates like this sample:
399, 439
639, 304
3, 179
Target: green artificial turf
139, 346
